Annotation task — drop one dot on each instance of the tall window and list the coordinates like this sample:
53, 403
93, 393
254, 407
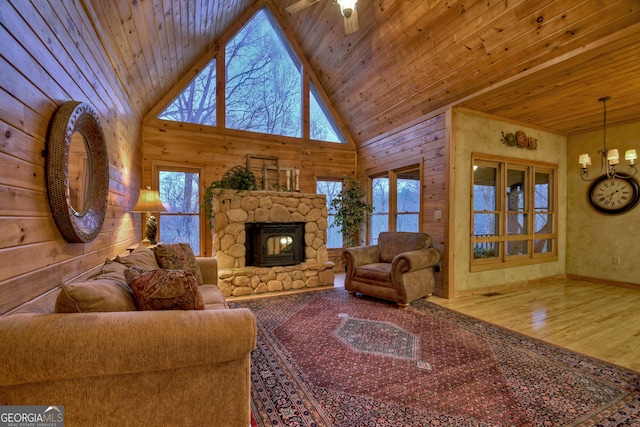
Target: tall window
396, 199
331, 189
544, 214
180, 193
379, 219
407, 210
263, 82
513, 212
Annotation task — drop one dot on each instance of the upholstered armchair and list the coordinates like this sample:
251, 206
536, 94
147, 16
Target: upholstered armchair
399, 268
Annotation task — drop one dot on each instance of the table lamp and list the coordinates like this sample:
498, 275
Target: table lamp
149, 201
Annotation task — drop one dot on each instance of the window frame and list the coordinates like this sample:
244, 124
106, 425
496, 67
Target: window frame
394, 211
171, 167
503, 237
392, 214
372, 240
329, 214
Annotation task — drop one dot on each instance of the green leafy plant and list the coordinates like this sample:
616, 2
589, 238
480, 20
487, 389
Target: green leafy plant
351, 210
238, 179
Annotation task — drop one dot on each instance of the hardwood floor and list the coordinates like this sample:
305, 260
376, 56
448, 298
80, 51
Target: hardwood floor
598, 320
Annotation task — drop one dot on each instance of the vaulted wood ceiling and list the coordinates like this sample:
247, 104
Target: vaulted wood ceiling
542, 62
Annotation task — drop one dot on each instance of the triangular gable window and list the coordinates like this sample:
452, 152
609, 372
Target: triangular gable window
322, 128
197, 102
263, 88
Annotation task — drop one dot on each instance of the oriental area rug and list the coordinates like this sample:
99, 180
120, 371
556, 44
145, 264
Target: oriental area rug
325, 358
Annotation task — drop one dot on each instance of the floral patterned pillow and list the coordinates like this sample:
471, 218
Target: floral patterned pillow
178, 256
164, 290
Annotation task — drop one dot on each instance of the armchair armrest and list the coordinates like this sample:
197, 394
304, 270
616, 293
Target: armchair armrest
415, 260
361, 255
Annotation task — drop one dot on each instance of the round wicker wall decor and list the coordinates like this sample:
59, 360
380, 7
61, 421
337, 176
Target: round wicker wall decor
84, 225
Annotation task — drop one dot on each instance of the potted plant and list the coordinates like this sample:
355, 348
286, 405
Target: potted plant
237, 178
351, 210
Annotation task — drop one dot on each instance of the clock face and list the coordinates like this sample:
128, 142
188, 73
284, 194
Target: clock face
614, 195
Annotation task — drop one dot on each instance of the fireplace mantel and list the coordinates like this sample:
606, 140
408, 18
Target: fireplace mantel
232, 210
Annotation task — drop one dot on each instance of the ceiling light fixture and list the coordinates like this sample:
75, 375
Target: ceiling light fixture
347, 7
609, 157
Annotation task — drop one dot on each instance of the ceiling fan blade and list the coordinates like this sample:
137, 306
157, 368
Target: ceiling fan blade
300, 5
351, 23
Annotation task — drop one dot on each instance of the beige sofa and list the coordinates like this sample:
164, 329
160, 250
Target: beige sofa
132, 368
399, 268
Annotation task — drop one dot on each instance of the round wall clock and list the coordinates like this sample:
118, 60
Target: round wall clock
614, 195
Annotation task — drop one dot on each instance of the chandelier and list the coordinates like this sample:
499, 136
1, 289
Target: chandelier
609, 158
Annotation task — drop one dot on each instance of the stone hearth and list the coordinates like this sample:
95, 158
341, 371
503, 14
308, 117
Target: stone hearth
232, 210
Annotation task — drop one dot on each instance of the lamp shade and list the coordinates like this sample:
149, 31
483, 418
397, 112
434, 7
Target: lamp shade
585, 160
631, 156
149, 201
613, 156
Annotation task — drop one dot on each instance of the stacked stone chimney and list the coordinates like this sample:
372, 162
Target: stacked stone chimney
232, 209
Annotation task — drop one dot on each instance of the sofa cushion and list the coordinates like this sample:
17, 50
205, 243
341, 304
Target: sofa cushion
100, 295
142, 257
378, 272
178, 256
213, 297
164, 289
114, 271
391, 244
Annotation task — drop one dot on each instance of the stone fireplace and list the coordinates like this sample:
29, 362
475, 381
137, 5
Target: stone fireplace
254, 235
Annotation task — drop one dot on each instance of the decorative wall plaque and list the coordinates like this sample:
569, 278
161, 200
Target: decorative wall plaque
520, 140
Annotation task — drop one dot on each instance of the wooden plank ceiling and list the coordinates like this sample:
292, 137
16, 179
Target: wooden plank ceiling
542, 62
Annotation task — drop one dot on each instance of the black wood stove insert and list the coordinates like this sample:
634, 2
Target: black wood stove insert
274, 244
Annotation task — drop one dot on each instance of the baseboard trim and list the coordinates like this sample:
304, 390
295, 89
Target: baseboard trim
524, 283
604, 281
506, 286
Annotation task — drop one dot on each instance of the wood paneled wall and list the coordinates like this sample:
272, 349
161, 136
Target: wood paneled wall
216, 151
422, 141
50, 54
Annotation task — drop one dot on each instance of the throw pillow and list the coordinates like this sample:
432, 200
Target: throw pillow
114, 271
94, 296
165, 290
178, 256
141, 256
